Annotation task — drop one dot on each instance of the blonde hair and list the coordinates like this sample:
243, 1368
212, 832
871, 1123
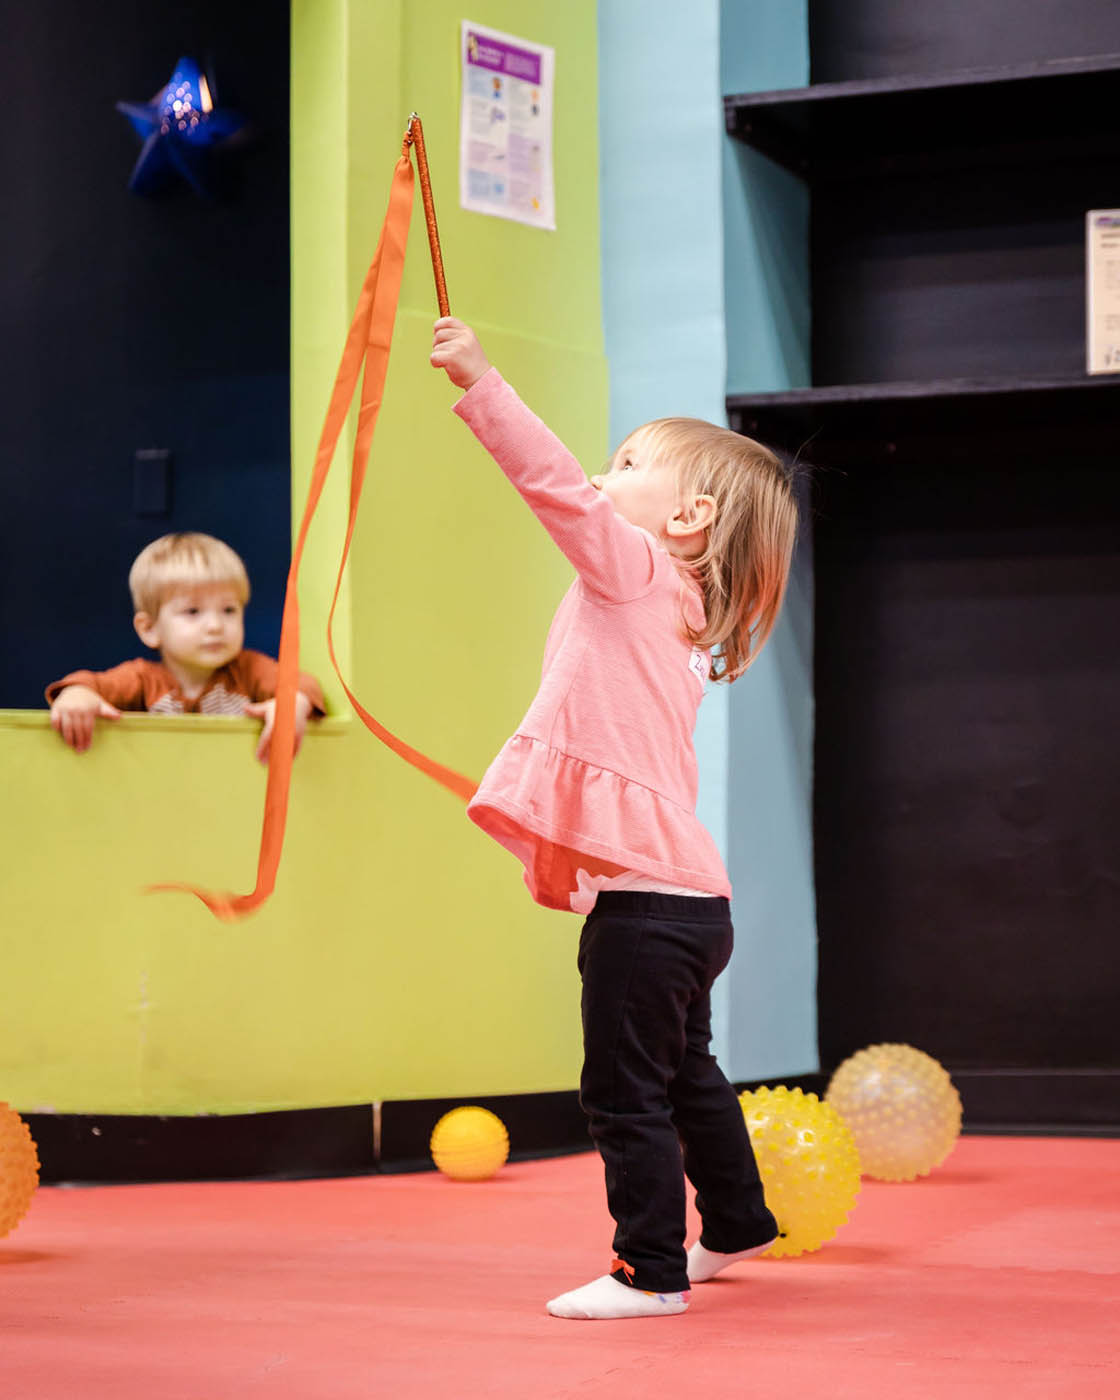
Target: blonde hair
177, 561
744, 566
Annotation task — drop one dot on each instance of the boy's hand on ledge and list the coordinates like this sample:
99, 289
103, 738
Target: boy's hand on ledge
455, 348
266, 709
73, 714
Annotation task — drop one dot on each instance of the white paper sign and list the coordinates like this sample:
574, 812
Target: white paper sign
1102, 280
505, 126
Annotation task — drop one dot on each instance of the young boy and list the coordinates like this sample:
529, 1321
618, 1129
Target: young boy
189, 592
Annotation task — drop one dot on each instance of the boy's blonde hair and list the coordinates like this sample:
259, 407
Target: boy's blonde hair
745, 563
177, 561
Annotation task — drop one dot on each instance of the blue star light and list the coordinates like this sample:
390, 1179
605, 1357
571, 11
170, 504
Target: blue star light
179, 127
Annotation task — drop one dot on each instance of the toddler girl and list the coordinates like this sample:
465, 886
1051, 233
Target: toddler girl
682, 550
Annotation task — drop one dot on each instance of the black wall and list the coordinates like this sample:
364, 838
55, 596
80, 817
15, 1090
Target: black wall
850, 39
968, 591
954, 274
968, 873
135, 323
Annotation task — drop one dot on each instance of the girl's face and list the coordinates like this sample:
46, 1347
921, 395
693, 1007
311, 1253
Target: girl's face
642, 490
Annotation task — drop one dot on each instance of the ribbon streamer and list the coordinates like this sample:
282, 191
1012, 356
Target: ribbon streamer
368, 341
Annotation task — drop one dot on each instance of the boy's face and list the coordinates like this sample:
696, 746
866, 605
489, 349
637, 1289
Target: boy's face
200, 627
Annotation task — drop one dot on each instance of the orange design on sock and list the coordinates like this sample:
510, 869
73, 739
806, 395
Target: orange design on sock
627, 1269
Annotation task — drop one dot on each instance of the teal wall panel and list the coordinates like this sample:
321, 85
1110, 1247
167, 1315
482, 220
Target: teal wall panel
764, 46
772, 989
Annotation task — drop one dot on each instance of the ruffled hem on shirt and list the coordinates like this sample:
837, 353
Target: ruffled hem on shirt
547, 808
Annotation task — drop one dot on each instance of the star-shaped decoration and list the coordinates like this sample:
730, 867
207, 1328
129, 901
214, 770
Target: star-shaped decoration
179, 127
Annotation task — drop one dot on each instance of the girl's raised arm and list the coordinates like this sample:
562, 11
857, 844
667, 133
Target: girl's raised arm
612, 556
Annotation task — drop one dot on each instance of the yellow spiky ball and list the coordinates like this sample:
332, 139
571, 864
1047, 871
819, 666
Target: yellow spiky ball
469, 1144
902, 1108
808, 1162
19, 1169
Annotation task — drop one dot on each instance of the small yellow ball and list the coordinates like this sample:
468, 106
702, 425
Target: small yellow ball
902, 1108
469, 1144
19, 1169
808, 1162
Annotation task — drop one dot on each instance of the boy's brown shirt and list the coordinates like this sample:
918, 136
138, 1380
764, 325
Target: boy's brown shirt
148, 685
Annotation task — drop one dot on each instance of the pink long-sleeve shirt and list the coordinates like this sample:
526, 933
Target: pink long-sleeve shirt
601, 774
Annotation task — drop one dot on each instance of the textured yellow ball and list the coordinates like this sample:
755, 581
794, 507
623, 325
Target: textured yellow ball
808, 1162
902, 1109
19, 1169
469, 1144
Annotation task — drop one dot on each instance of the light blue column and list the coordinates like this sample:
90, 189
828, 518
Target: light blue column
664, 178
772, 980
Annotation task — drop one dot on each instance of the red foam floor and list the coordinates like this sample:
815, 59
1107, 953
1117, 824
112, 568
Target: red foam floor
996, 1276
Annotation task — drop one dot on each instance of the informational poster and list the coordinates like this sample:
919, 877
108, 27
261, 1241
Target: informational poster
1102, 253
505, 127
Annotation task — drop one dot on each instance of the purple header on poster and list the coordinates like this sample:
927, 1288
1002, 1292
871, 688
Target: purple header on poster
503, 58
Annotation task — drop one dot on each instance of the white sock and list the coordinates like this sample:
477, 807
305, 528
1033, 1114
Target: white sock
606, 1297
704, 1264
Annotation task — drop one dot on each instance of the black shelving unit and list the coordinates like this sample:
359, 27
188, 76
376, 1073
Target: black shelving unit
967, 557
1064, 108
844, 425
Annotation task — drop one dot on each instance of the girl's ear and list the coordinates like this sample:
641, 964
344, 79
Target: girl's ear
693, 517
146, 630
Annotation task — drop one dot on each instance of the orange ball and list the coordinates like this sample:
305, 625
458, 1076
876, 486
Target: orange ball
469, 1143
19, 1169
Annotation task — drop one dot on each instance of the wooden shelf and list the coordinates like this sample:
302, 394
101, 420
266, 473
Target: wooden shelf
1066, 109
837, 424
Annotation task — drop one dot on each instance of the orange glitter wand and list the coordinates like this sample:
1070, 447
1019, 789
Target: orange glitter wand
414, 136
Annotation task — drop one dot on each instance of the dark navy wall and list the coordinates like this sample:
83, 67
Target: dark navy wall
134, 323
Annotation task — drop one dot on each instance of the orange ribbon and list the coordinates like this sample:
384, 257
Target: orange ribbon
368, 341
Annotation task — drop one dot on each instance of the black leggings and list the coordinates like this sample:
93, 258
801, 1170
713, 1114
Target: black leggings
651, 1087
